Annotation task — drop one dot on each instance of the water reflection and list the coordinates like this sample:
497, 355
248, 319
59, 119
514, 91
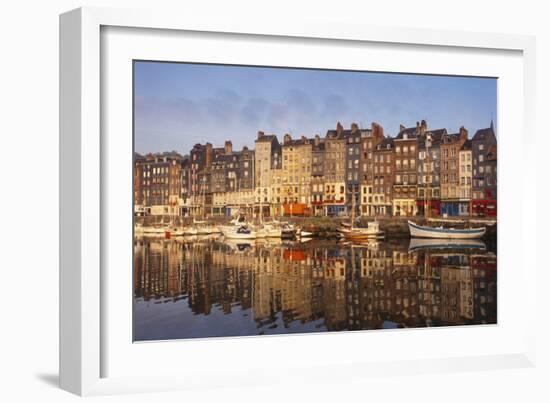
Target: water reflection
188, 288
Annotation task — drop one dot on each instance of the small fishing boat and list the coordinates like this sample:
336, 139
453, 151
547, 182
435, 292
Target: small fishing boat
190, 231
355, 233
287, 231
241, 232
348, 231
303, 234
175, 231
417, 244
272, 231
154, 230
421, 231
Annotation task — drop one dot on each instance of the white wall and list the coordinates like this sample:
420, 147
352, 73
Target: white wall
29, 147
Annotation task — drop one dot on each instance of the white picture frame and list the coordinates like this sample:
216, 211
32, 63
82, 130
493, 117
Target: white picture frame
85, 344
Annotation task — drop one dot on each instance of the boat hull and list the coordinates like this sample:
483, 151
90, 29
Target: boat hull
359, 234
232, 234
419, 231
417, 244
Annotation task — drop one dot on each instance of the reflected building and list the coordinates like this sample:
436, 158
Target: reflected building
317, 286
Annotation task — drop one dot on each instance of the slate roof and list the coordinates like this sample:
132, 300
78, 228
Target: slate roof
298, 142
437, 137
467, 145
482, 134
266, 138
383, 145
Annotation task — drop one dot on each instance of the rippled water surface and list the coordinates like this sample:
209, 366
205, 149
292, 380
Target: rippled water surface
193, 287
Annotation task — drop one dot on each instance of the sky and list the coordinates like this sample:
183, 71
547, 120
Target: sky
179, 104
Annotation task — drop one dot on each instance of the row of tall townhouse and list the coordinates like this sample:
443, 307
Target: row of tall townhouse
420, 171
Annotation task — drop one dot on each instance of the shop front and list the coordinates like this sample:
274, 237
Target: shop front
464, 208
450, 208
335, 209
296, 209
434, 207
404, 207
484, 208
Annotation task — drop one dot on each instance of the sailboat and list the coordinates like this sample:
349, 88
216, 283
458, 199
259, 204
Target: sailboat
201, 227
350, 232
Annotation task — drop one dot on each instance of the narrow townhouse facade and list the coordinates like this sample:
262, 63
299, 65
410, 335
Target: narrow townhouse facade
405, 184
428, 190
185, 193
484, 175
335, 185
384, 176
267, 157
352, 168
465, 168
449, 171
138, 194
201, 159
245, 169
277, 192
297, 158
317, 176
370, 138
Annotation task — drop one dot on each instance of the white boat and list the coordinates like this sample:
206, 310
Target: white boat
371, 231
154, 230
287, 231
350, 232
189, 231
306, 234
176, 231
207, 229
445, 233
240, 232
272, 231
417, 244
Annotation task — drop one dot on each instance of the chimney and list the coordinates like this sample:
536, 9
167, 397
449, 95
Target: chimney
423, 127
287, 138
354, 128
418, 127
260, 134
228, 148
401, 128
317, 140
377, 131
208, 155
463, 133
339, 129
